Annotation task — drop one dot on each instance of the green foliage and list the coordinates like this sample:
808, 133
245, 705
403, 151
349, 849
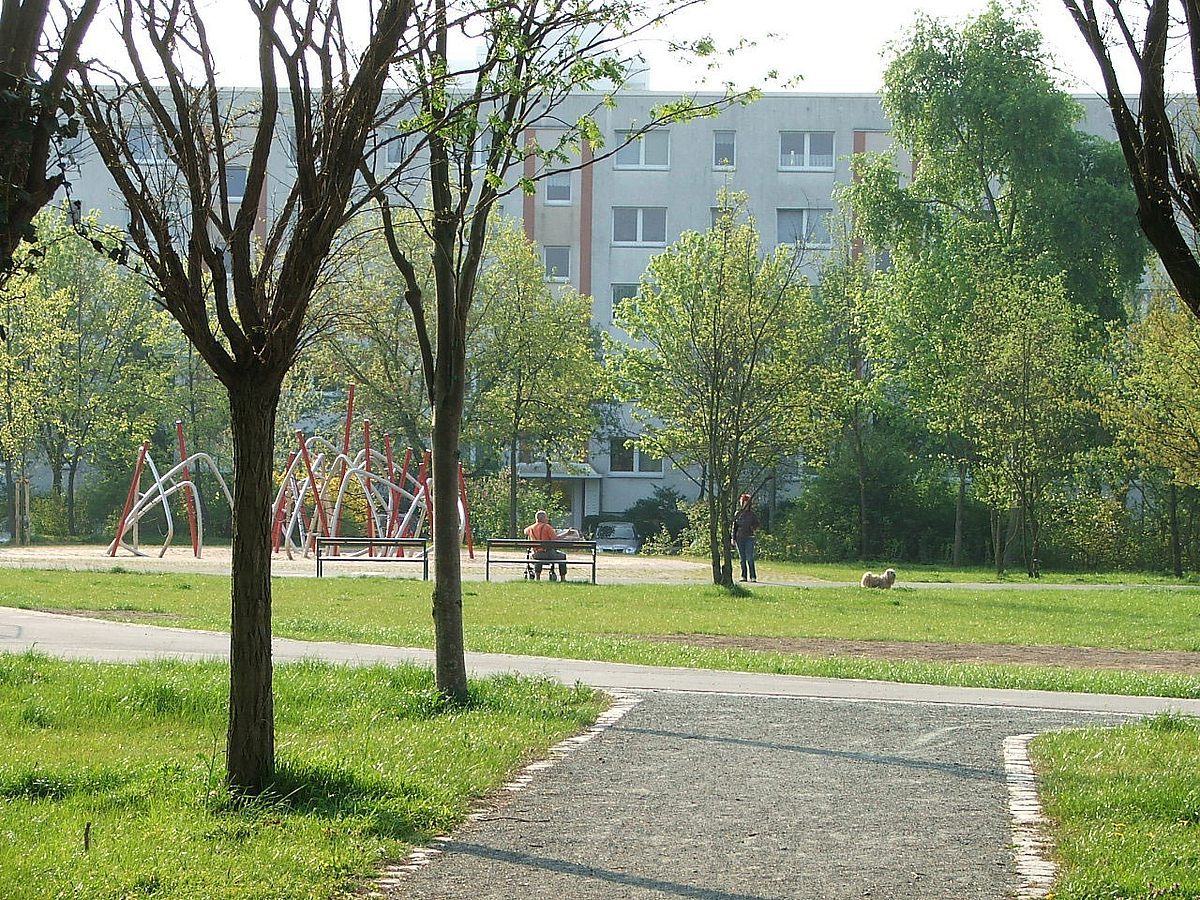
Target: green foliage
1155, 409
488, 497
998, 157
662, 511
538, 378
724, 360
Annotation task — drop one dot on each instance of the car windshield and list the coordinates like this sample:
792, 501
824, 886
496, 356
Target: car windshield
625, 532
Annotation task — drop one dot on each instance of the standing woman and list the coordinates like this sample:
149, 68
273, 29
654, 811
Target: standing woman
745, 521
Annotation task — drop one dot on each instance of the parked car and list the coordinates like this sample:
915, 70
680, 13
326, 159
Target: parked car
616, 537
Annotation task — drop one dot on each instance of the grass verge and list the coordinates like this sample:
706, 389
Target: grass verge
370, 762
584, 621
1125, 806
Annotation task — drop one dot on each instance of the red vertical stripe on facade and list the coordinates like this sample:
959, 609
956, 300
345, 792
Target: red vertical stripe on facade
585, 221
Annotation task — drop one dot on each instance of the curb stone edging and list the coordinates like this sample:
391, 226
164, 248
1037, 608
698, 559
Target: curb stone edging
390, 879
1036, 873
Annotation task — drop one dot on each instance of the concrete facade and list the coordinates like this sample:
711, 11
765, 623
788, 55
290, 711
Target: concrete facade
598, 225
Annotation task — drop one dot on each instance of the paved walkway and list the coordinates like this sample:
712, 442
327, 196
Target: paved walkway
716, 785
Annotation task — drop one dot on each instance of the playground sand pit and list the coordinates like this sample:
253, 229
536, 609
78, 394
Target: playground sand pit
611, 568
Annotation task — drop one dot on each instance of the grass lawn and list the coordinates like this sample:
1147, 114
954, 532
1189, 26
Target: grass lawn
919, 573
370, 762
1126, 805
579, 620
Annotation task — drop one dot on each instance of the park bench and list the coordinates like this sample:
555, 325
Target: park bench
328, 551
504, 552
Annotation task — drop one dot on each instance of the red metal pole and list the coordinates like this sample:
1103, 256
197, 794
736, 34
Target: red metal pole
133, 486
187, 495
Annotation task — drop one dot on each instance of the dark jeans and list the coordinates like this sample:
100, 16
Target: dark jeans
745, 549
549, 555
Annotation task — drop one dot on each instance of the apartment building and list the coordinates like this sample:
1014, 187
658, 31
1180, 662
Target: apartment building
597, 225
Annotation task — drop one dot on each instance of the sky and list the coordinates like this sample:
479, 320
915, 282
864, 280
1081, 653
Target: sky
839, 46
834, 47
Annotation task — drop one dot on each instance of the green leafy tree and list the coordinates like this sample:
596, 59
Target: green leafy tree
26, 359
1155, 409
459, 134
723, 362
917, 314
1028, 407
367, 338
106, 370
997, 154
537, 369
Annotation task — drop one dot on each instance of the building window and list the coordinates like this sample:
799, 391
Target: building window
145, 145
558, 263
719, 214
621, 293
393, 147
620, 455
558, 189
724, 149
806, 227
806, 150
640, 225
235, 178
650, 151
623, 456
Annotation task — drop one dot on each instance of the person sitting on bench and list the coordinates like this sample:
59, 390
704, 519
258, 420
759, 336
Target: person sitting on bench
542, 530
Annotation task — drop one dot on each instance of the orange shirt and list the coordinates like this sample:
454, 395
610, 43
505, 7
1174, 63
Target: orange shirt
541, 531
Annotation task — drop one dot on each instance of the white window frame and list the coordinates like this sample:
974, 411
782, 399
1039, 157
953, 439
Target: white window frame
638, 471
640, 239
810, 218
555, 273
559, 181
638, 146
805, 161
722, 164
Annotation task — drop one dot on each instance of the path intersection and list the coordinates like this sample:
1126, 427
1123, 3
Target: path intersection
712, 785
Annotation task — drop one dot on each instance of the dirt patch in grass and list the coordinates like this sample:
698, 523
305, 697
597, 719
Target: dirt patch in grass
116, 615
1183, 662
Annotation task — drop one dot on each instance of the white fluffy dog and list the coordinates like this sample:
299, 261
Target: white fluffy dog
884, 581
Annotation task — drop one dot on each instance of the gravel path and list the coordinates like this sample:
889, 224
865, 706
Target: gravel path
716, 797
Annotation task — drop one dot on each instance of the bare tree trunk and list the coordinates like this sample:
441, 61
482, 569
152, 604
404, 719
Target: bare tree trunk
250, 764
72, 471
716, 553
512, 485
998, 544
959, 511
450, 674
10, 485
1173, 515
